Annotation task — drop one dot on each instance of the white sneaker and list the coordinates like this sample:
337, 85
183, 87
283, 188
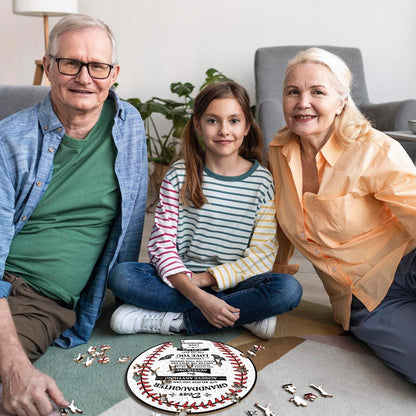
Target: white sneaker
130, 319
263, 329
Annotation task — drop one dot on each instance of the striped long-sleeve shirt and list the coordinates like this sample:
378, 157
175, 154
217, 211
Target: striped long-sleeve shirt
233, 235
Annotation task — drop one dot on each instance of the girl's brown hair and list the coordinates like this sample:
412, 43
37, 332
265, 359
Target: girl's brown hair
192, 149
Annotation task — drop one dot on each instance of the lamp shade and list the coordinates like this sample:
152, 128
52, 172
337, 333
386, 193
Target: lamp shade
45, 7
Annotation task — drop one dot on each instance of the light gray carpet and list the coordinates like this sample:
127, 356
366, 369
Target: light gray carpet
361, 385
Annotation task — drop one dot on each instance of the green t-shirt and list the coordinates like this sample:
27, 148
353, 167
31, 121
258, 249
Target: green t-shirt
57, 249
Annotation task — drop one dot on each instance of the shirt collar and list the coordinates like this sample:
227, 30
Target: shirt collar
47, 117
288, 142
50, 122
119, 110
281, 138
331, 150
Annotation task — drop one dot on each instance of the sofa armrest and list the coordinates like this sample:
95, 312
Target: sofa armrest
391, 116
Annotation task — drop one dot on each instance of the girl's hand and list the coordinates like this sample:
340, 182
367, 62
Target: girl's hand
217, 312
204, 279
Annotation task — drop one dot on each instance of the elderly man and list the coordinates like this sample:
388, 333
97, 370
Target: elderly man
72, 202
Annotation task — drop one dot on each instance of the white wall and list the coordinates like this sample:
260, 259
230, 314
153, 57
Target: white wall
162, 41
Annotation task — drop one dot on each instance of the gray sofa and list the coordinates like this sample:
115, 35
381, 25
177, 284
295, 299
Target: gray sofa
14, 98
270, 65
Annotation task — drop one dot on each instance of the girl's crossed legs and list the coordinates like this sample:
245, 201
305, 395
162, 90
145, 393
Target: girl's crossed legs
259, 297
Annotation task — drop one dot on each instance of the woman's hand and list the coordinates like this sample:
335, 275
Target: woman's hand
286, 268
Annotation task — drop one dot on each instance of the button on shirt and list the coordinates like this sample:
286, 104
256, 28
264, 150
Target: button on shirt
26, 163
361, 222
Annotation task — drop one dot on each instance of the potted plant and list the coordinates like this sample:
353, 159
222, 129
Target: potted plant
162, 148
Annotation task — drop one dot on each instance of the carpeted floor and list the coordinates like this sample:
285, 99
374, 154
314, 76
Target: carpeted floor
307, 348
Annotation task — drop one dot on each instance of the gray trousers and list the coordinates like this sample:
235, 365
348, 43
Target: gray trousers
390, 329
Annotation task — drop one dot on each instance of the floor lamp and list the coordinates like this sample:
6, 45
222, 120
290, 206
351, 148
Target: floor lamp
44, 8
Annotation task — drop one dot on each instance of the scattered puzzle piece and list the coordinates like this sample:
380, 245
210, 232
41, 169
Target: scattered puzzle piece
321, 390
298, 401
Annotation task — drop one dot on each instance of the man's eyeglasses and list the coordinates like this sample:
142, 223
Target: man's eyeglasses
97, 70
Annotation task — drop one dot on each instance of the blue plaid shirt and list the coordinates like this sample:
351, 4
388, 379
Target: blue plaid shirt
28, 141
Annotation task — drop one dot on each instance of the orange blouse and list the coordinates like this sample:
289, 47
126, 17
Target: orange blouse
358, 226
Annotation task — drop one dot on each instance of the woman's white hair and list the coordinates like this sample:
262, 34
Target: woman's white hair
351, 123
79, 22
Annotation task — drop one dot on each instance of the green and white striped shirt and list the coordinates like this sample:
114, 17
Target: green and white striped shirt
233, 236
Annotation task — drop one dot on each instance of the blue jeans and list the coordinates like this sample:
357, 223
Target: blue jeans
390, 329
259, 297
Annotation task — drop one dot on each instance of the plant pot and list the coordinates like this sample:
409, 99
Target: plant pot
157, 172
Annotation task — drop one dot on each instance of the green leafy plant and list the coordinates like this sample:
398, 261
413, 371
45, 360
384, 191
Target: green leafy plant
162, 147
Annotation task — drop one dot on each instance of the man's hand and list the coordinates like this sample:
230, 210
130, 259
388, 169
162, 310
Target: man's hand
28, 392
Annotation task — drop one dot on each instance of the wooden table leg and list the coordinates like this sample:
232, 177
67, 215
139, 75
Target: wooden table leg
37, 79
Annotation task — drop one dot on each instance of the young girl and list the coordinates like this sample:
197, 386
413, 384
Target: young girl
213, 243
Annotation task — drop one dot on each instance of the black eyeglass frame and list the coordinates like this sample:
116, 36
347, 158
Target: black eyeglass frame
87, 64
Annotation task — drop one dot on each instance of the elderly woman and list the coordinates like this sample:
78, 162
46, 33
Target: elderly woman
346, 199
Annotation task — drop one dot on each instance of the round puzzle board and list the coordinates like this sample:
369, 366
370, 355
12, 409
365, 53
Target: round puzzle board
200, 377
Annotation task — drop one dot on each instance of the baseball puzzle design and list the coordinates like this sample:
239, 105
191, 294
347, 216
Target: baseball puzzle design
200, 377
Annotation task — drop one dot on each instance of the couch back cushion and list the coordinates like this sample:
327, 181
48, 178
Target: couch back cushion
14, 98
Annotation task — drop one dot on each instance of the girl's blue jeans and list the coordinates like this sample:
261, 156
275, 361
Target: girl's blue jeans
258, 297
